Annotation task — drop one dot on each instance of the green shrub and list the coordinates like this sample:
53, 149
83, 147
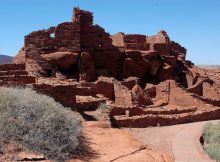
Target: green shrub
208, 130
101, 112
213, 150
39, 123
211, 135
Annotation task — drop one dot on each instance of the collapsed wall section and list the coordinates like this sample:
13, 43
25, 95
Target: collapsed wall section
65, 35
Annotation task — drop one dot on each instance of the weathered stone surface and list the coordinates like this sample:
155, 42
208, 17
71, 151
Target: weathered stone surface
20, 57
123, 96
87, 67
160, 43
105, 86
140, 97
59, 93
10, 67
15, 74
135, 67
151, 90
130, 82
62, 60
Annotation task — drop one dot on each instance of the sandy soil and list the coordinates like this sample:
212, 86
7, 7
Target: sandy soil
118, 145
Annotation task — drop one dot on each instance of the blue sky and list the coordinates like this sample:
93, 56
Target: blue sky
195, 24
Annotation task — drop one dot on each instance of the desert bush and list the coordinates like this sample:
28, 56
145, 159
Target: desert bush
208, 130
103, 106
39, 123
101, 111
211, 135
213, 150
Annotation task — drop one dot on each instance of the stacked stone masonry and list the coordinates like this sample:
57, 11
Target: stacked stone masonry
96, 53
15, 74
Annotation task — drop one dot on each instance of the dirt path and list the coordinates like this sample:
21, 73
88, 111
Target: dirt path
116, 145
104, 145
179, 141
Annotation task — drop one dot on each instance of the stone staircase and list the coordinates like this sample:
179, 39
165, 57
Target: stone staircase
15, 74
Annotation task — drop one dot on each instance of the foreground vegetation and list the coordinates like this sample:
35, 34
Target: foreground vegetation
211, 135
39, 123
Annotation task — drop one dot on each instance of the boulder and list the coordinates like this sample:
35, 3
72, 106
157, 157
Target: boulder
151, 90
130, 82
105, 86
135, 65
107, 63
140, 97
63, 60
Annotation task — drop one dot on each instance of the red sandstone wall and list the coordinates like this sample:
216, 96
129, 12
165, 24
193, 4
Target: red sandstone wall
65, 35
105, 86
136, 42
65, 94
160, 43
118, 40
68, 35
122, 95
178, 49
97, 43
15, 74
23, 79
130, 41
7, 67
154, 120
91, 36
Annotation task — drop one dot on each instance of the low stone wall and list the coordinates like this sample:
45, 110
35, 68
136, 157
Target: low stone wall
88, 103
65, 94
23, 79
165, 120
13, 72
86, 90
7, 67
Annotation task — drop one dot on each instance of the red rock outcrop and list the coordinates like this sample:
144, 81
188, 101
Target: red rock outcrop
140, 97
64, 61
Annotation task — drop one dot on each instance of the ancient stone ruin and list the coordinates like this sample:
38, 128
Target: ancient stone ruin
145, 80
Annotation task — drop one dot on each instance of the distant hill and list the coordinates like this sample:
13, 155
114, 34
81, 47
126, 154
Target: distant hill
5, 59
209, 66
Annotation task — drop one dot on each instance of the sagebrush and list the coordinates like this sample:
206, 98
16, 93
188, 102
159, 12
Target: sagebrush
102, 111
38, 122
103, 106
211, 135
